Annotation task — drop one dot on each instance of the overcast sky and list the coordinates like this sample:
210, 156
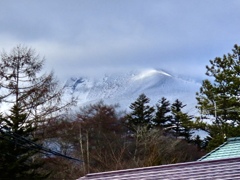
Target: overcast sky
96, 36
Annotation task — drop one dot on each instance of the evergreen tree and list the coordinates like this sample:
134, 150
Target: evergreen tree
162, 117
141, 115
181, 122
18, 159
186, 126
219, 98
35, 98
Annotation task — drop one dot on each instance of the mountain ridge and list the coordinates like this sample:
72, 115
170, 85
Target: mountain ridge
124, 88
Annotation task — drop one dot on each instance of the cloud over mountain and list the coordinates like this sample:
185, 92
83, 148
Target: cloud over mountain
124, 88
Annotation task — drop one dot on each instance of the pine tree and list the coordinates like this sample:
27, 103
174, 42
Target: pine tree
162, 116
181, 122
219, 97
141, 115
18, 159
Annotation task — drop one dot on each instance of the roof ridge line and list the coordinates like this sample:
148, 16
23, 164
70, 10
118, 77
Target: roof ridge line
214, 150
233, 138
135, 170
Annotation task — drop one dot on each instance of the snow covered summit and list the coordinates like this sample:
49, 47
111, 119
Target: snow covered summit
124, 88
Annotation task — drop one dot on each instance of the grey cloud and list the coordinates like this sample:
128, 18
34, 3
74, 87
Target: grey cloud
82, 36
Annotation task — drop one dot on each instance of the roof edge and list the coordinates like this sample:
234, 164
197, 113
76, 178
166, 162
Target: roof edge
228, 140
159, 166
233, 139
208, 154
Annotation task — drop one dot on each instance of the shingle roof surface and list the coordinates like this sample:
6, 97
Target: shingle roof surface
214, 169
230, 149
221, 163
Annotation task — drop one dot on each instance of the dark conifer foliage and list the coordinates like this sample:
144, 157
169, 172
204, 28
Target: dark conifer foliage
18, 159
35, 98
141, 115
181, 122
219, 97
163, 116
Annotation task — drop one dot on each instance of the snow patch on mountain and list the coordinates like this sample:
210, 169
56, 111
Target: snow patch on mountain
148, 73
124, 88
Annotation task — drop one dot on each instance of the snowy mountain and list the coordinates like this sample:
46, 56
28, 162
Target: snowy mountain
124, 88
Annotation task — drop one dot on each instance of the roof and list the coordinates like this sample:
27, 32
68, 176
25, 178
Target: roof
221, 163
230, 149
211, 169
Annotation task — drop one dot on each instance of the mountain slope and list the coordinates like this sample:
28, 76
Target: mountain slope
124, 88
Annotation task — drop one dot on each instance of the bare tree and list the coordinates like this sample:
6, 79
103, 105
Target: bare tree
30, 99
23, 84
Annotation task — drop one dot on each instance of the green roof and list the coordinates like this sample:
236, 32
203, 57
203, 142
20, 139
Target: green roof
230, 149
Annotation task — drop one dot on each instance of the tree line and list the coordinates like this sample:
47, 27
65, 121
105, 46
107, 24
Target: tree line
39, 139
107, 139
